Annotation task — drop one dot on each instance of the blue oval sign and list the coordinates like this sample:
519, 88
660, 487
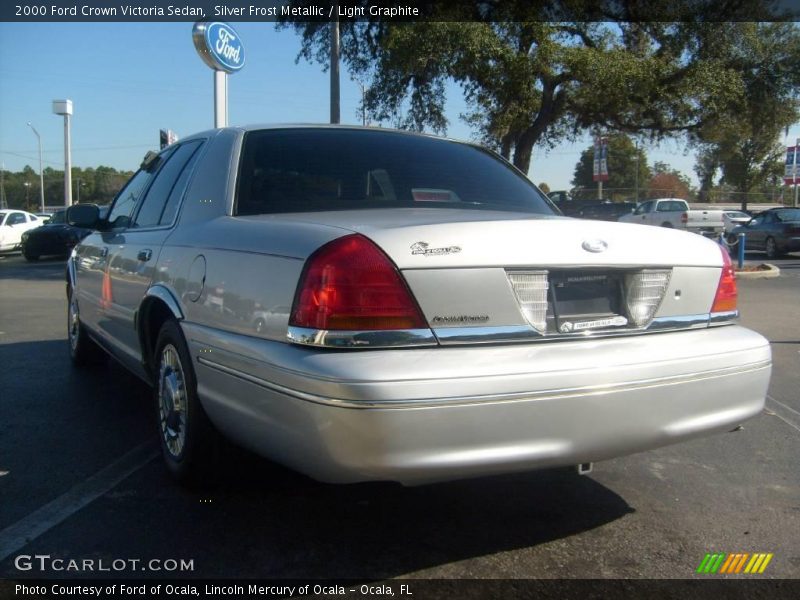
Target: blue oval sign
219, 46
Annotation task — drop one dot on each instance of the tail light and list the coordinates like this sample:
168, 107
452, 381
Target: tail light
530, 289
684, 218
725, 298
351, 285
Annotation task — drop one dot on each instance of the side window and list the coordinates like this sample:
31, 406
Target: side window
643, 208
173, 202
152, 206
120, 215
16, 219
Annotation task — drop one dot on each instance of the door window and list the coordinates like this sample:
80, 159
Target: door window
120, 215
164, 186
15, 219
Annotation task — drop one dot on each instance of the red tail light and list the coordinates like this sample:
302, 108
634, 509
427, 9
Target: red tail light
350, 284
684, 218
725, 299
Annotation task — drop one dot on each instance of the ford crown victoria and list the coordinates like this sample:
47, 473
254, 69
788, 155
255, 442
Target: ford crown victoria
365, 304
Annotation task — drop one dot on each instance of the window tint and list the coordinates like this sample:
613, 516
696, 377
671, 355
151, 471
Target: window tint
15, 219
643, 208
671, 206
171, 208
328, 169
152, 206
120, 215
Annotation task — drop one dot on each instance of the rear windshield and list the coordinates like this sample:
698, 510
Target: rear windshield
310, 169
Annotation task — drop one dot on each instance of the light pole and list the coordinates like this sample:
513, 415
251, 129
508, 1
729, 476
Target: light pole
334, 65
78, 185
41, 172
27, 185
64, 107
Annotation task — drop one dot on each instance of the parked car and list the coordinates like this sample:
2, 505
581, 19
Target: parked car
13, 223
734, 218
675, 214
56, 237
775, 232
431, 318
606, 211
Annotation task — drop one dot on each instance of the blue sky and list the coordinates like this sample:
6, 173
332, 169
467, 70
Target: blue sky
128, 80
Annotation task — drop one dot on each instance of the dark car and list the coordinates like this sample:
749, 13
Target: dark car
605, 211
775, 231
56, 237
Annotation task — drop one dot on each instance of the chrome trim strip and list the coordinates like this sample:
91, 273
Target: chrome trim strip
486, 335
524, 333
393, 338
723, 318
509, 397
679, 322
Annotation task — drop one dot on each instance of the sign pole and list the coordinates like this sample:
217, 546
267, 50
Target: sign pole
796, 148
221, 48
220, 98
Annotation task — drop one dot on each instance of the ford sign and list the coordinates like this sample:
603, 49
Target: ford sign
219, 46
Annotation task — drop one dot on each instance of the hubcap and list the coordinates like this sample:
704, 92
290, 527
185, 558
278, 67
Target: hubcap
73, 322
172, 408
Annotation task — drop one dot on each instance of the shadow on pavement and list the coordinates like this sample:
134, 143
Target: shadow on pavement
258, 519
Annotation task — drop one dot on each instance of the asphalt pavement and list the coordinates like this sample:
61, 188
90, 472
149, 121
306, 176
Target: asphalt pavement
79, 479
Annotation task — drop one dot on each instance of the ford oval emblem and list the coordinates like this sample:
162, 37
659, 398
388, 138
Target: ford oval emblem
219, 46
595, 246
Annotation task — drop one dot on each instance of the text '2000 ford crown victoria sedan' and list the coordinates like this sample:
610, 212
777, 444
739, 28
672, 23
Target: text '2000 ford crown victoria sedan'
366, 304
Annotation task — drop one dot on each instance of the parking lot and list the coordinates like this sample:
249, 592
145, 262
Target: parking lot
80, 479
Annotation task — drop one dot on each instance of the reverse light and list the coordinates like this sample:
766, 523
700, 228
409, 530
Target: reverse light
644, 292
351, 285
725, 298
530, 289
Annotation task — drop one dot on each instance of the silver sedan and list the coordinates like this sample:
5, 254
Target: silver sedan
365, 304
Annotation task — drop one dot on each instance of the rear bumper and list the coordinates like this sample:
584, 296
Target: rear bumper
433, 414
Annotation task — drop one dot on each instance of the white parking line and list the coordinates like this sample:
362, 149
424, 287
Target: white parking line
16, 536
785, 413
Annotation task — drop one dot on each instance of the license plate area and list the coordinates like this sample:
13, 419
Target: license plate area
583, 301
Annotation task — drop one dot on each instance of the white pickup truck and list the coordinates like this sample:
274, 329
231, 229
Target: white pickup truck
676, 214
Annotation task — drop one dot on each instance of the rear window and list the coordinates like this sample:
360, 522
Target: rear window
310, 169
788, 215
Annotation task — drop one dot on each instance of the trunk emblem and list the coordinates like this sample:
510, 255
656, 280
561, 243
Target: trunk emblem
596, 245
422, 248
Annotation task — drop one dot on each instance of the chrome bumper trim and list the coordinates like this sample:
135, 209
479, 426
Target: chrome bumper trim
393, 338
493, 398
722, 318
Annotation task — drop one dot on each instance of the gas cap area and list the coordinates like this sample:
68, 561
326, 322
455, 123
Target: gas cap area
196, 279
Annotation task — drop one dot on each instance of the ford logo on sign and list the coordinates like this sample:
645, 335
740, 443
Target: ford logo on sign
219, 46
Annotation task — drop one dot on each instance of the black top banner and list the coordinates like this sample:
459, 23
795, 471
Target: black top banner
406, 10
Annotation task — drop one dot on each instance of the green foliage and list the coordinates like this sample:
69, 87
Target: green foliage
97, 186
622, 165
530, 78
744, 143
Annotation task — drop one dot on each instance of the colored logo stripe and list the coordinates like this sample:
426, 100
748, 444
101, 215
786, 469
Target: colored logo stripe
720, 562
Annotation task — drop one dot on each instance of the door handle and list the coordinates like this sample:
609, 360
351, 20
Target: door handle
144, 255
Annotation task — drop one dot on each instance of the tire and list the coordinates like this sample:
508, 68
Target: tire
771, 248
29, 256
188, 440
82, 349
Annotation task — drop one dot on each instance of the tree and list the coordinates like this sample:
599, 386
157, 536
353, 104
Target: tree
745, 143
668, 183
623, 160
544, 187
530, 76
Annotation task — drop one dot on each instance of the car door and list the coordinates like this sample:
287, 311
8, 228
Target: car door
754, 236
134, 253
640, 215
16, 223
92, 257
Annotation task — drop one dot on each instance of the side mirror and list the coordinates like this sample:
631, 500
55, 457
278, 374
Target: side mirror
86, 216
